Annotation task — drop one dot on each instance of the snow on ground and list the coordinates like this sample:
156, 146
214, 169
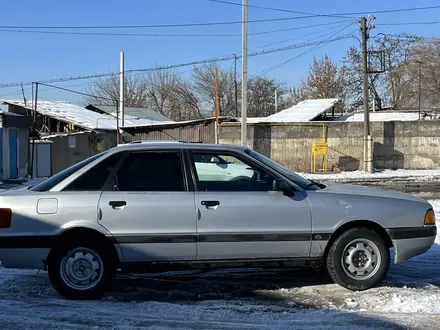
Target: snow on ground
239, 299
425, 175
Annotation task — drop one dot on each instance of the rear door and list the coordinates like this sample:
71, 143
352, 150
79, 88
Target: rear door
149, 208
241, 217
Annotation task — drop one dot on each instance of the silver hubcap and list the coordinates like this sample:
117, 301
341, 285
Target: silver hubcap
361, 259
81, 268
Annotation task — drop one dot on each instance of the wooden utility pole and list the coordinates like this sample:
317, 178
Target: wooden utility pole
368, 140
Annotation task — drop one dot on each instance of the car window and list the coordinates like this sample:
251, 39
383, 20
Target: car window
208, 158
51, 182
233, 174
300, 181
151, 171
95, 178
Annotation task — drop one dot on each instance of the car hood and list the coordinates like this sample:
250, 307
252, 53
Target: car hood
347, 189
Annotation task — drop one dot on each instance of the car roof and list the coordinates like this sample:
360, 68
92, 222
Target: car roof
172, 144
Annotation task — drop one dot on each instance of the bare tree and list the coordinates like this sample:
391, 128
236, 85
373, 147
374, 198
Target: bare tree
188, 100
160, 86
389, 87
203, 85
161, 90
422, 64
106, 91
325, 80
261, 96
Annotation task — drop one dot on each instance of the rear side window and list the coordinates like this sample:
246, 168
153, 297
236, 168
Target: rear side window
51, 182
95, 178
151, 171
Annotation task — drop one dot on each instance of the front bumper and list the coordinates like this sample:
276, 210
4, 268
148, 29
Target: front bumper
411, 242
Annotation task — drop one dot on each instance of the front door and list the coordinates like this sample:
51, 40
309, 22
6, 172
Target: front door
149, 209
241, 217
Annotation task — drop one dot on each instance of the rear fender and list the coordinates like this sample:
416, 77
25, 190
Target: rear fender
92, 226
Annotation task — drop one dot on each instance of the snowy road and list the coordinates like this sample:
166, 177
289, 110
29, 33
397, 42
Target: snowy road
409, 299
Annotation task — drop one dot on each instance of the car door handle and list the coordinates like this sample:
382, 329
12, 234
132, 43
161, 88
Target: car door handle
210, 204
117, 204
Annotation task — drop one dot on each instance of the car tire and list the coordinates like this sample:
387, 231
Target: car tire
82, 269
358, 259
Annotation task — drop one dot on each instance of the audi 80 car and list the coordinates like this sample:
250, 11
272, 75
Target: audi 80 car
144, 205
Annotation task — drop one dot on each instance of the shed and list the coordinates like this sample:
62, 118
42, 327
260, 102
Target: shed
59, 116
198, 130
14, 141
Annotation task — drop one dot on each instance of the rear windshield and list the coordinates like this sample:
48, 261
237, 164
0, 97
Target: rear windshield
51, 182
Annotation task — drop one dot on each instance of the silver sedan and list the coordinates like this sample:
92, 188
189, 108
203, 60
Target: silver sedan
150, 205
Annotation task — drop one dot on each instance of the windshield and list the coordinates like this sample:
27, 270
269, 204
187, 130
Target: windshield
300, 181
57, 178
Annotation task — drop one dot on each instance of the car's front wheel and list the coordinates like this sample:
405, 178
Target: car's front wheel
358, 259
81, 270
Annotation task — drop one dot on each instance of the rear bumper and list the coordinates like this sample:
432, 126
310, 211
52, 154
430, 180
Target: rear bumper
411, 242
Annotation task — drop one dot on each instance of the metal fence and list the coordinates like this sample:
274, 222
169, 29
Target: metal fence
191, 133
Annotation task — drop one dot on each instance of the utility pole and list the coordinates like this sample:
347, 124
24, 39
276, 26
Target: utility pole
244, 75
235, 85
368, 141
118, 134
24, 96
34, 130
420, 88
276, 100
216, 107
121, 91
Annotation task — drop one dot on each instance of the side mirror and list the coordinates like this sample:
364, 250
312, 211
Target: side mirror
215, 160
283, 186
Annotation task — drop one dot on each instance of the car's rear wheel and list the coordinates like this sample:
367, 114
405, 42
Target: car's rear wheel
358, 259
81, 270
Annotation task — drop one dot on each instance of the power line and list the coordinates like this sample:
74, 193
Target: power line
28, 90
332, 14
59, 27
391, 10
274, 9
319, 44
76, 92
412, 23
164, 34
300, 27
174, 66
301, 36
118, 34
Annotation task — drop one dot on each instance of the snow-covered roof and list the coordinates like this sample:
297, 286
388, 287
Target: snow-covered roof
382, 116
3, 107
302, 112
145, 113
79, 116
